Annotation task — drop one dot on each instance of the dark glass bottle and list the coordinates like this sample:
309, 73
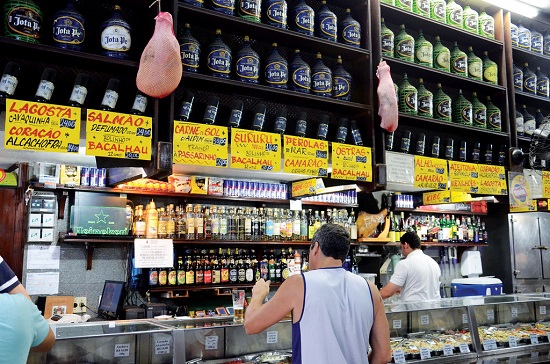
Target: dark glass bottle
494, 116
303, 18
405, 141
197, 3
219, 57
276, 69
529, 123
301, 124
388, 140
116, 36
529, 80
355, 133
350, 31
250, 10
236, 114
247, 66
280, 121
23, 20
186, 106
46, 86
450, 149
110, 97
80, 90
488, 156
342, 132
211, 110
539, 119
502, 154
9, 81
259, 117
518, 78
69, 28
223, 6
276, 13
420, 144
326, 23
300, 74
436, 147
476, 152
140, 104
546, 44
321, 78
341, 82
190, 50
322, 129
463, 152
542, 84
536, 42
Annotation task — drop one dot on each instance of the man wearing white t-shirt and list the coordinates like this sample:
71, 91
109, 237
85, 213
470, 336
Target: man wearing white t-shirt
416, 276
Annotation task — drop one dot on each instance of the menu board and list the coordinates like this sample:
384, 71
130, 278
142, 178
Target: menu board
492, 180
200, 144
255, 150
41, 127
351, 162
464, 177
430, 173
545, 184
116, 135
305, 156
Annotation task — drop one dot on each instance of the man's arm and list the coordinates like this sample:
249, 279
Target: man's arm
380, 332
46, 344
389, 290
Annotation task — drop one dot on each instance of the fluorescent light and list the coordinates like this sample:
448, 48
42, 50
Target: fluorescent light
541, 4
516, 6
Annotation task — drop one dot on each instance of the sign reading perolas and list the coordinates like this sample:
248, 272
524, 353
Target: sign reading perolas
306, 156
255, 150
464, 177
430, 173
200, 144
115, 135
41, 127
351, 162
492, 180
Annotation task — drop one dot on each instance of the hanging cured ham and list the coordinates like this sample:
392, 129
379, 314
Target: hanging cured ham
160, 67
387, 99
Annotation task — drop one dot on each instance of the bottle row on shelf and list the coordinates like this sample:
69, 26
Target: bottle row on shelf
530, 82
529, 39
526, 123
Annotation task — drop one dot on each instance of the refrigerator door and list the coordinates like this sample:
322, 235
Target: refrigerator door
544, 228
525, 251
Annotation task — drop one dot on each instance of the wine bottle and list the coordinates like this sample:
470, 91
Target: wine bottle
140, 104
300, 74
259, 117
321, 78
186, 106
9, 80
80, 90
322, 129
190, 50
116, 36
236, 114
247, 67
46, 86
110, 97
219, 57
301, 124
211, 110
280, 121
350, 30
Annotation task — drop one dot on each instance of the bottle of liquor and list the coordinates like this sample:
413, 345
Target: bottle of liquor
342, 132
475, 65
405, 141
199, 270
514, 32
23, 21
488, 156
529, 80
248, 270
219, 57
180, 272
420, 144
276, 69
259, 117
536, 42
197, 3
341, 82
69, 28
199, 223
459, 61
442, 56
542, 84
173, 275
486, 25
326, 23
189, 222
301, 124
321, 78
300, 74
388, 140
462, 110
280, 121
442, 105
425, 100
350, 31
80, 90
322, 129
423, 51
223, 6
211, 110
545, 44
355, 133
470, 19
241, 269
438, 10
163, 276
276, 13
454, 14
153, 277
435, 149
207, 221
479, 112
247, 67
9, 81
421, 7
186, 106
140, 104
490, 69
387, 40
539, 119
190, 50
236, 114
46, 86
207, 270
162, 221
463, 151
529, 123
494, 116
476, 152
519, 123
216, 270
450, 149
502, 155
518, 78
233, 271
303, 18
250, 10
110, 97
393, 231
524, 38
404, 45
116, 36
408, 97
224, 268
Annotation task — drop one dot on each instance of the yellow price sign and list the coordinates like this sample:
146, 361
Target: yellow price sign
430, 173
436, 197
305, 156
116, 135
492, 180
464, 177
545, 184
305, 187
200, 144
255, 150
41, 127
351, 162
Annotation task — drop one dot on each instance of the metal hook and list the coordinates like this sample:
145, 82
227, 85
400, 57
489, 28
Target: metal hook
153, 3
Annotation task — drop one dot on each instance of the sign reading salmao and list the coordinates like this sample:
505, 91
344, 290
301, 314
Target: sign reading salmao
255, 150
305, 156
116, 135
430, 173
436, 197
545, 184
464, 177
41, 127
492, 180
351, 162
200, 144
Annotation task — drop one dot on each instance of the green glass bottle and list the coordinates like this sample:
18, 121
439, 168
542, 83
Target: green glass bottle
479, 112
490, 69
454, 14
387, 39
442, 105
391, 2
423, 51
23, 20
475, 65
462, 110
470, 19
494, 116
408, 96
486, 25
404, 4
404, 45
422, 7
425, 100
438, 10
442, 56
459, 61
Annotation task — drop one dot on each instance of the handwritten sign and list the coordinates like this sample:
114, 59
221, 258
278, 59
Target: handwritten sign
400, 168
162, 346
306, 156
351, 162
255, 150
272, 337
122, 350
545, 184
512, 341
436, 197
396, 324
115, 135
430, 173
492, 180
399, 356
41, 127
464, 177
305, 187
489, 344
424, 320
447, 350
210, 343
151, 253
200, 144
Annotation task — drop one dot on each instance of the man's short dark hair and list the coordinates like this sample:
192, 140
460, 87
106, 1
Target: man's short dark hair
411, 238
333, 240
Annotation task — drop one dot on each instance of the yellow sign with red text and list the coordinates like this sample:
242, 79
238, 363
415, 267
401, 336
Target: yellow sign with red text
351, 162
492, 180
255, 150
545, 184
464, 177
430, 173
115, 135
305, 156
41, 127
200, 144
436, 197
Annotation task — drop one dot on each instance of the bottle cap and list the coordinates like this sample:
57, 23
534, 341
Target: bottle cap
302, 115
49, 74
343, 123
213, 100
282, 112
260, 109
353, 124
237, 105
113, 84
82, 79
12, 69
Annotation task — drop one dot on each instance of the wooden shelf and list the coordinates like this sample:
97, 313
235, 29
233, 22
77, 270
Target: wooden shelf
452, 244
455, 212
534, 59
531, 100
174, 290
524, 138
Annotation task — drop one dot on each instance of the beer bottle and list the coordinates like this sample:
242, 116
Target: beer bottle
425, 100
404, 45
80, 90
219, 57
190, 50
387, 40
300, 74
479, 112
116, 36
454, 14
46, 86
9, 81
529, 80
326, 23
423, 51
475, 65
278, 270
462, 110
180, 271
470, 19
247, 67
494, 116
153, 277
350, 31
271, 267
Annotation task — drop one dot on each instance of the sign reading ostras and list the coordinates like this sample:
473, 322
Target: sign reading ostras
351, 162
41, 127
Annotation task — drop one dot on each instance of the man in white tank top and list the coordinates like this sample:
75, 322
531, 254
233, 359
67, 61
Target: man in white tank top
336, 315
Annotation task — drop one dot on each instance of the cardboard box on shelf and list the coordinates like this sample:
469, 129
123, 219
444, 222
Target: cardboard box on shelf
180, 182
69, 175
199, 185
215, 186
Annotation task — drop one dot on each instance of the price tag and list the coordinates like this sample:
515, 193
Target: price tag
534, 338
490, 314
424, 320
112, 324
396, 324
122, 350
162, 346
464, 348
514, 312
425, 353
464, 318
447, 350
399, 356
272, 337
542, 310
210, 343
489, 344
512, 341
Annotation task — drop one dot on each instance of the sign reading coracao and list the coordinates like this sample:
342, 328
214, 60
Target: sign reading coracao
464, 177
492, 180
351, 162
115, 135
200, 144
41, 127
430, 173
305, 156
255, 150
